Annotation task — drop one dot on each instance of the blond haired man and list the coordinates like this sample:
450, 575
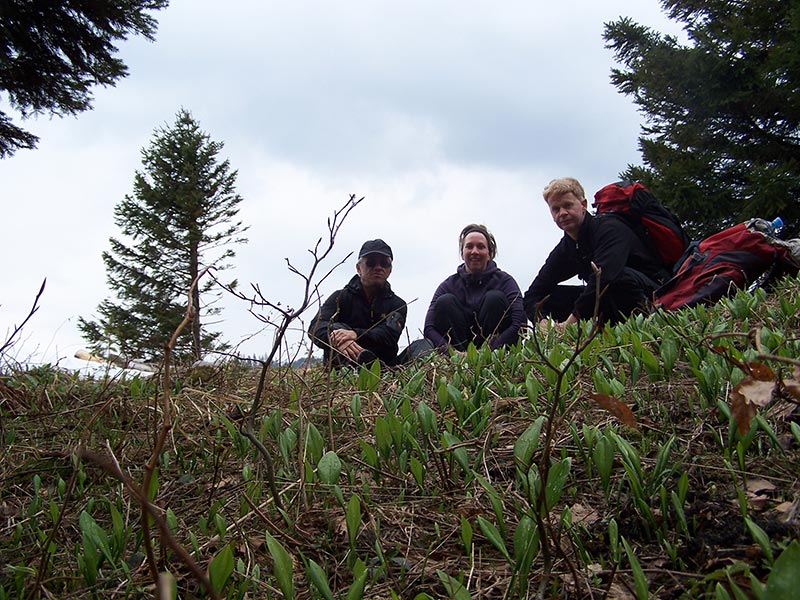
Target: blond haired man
629, 272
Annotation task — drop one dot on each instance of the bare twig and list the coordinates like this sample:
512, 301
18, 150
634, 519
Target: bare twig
111, 467
150, 467
550, 545
287, 316
35, 307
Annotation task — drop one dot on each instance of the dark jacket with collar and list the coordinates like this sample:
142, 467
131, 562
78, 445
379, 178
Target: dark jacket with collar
378, 324
470, 289
611, 245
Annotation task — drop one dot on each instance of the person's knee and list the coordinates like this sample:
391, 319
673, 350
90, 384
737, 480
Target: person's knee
495, 300
446, 303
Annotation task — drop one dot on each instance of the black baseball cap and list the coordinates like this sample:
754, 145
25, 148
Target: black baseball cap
375, 247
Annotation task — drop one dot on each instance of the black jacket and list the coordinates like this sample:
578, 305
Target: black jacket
611, 245
377, 324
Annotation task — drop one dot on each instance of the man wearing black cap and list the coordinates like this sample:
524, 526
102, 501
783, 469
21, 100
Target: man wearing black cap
363, 321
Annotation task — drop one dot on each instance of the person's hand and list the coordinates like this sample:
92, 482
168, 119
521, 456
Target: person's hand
547, 324
351, 350
341, 337
344, 341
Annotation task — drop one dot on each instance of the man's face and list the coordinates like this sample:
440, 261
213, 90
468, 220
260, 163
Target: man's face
568, 212
374, 269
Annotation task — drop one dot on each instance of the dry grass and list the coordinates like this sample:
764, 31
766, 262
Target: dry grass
409, 533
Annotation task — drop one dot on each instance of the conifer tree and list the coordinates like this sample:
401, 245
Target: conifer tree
721, 141
53, 53
179, 220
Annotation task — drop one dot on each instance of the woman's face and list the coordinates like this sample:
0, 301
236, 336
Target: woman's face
475, 252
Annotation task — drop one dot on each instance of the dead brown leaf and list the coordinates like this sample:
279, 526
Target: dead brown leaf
792, 387
745, 397
619, 409
760, 486
620, 592
786, 511
584, 514
760, 371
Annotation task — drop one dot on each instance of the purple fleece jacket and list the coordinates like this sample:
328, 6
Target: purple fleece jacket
470, 288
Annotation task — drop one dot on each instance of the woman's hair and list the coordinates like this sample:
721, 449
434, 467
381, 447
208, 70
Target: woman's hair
563, 185
477, 228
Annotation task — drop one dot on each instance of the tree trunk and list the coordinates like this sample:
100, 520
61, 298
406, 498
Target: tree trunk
194, 269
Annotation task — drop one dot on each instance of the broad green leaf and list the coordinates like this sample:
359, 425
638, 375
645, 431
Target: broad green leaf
460, 454
466, 534
720, 593
417, 470
639, 578
287, 441
796, 432
383, 435
603, 456
784, 579
427, 419
219, 523
369, 378
533, 388
353, 518
556, 478
472, 355
527, 443
738, 592
221, 568
669, 352
329, 468
659, 470
152, 491
761, 538
600, 381
455, 589
356, 591
91, 530
683, 486
650, 362
526, 545
414, 385
534, 483
282, 567
54, 511
355, 405
493, 535
172, 520
314, 444
317, 576
441, 394
369, 453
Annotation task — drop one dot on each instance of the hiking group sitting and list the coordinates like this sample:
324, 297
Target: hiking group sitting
482, 304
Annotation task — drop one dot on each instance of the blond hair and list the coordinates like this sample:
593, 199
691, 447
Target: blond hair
563, 185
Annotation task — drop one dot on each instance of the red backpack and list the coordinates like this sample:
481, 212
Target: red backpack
723, 263
653, 222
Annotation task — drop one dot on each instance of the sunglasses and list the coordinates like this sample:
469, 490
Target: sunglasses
371, 263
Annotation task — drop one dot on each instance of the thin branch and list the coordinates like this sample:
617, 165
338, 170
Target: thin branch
288, 315
152, 464
35, 307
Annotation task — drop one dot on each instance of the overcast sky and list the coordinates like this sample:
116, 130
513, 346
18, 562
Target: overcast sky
439, 113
